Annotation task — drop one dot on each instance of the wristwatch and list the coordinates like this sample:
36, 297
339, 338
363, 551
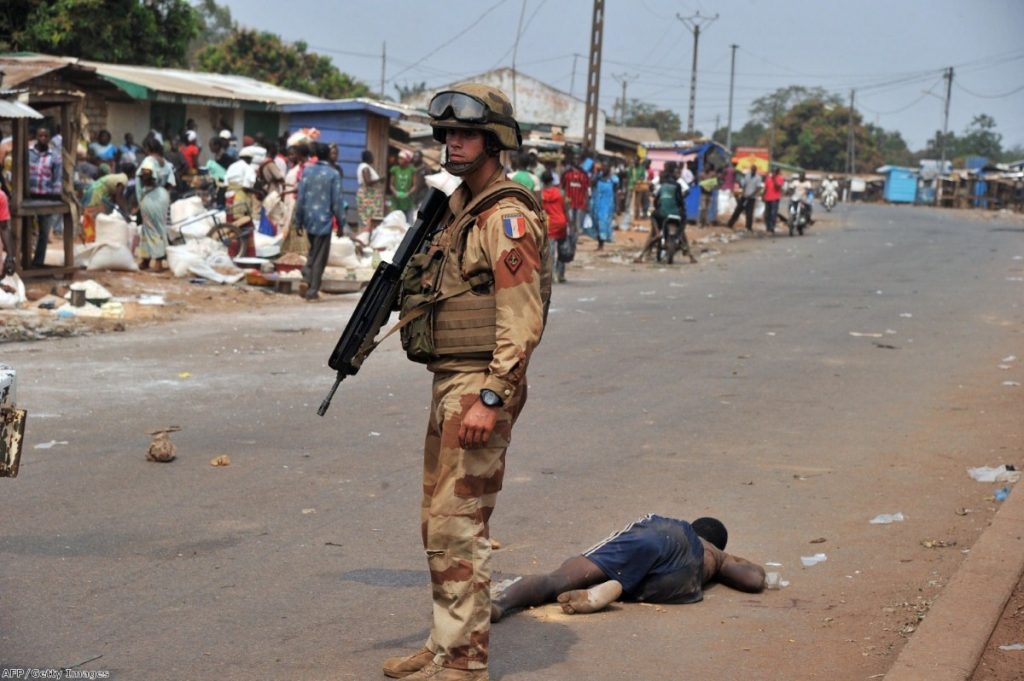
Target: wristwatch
490, 398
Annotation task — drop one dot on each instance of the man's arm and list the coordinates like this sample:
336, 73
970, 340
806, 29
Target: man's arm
741, 574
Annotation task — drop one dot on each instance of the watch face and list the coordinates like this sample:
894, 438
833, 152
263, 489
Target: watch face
490, 398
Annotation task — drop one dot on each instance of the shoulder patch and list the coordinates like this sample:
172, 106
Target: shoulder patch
514, 226
514, 260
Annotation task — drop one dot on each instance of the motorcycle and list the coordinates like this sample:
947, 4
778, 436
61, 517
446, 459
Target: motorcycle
797, 217
672, 238
829, 200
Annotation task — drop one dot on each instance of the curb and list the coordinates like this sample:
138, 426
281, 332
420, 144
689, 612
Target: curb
952, 638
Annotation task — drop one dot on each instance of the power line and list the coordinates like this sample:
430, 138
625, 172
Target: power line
978, 94
455, 37
694, 24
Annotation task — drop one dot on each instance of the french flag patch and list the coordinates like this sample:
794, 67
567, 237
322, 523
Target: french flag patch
515, 226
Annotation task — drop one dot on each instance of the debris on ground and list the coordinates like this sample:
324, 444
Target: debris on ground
161, 449
1003, 473
938, 543
810, 561
51, 444
1013, 647
220, 461
887, 518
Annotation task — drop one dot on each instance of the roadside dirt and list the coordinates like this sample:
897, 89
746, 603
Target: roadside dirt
1005, 665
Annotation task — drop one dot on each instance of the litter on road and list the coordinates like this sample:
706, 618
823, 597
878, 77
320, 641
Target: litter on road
1013, 647
51, 444
220, 461
161, 449
810, 561
887, 519
1004, 473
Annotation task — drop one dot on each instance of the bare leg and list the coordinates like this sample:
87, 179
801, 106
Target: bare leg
583, 601
579, 572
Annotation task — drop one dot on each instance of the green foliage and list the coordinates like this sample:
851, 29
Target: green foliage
768, 107
884, 147
752, 134
813, 134
979, 139
264, 56
215, 25
150, 33
406, 90
644, 115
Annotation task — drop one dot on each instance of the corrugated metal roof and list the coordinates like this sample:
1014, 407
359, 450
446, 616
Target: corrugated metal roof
202, 85
10, 108
146, 82
356, 104
633, 133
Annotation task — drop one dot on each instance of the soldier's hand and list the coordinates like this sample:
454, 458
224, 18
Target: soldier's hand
477, 425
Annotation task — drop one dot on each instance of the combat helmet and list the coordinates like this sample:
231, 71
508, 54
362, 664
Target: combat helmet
474, 106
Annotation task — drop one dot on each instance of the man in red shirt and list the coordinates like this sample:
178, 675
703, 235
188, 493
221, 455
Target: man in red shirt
6, 242
576, 185
191, 150
772, 195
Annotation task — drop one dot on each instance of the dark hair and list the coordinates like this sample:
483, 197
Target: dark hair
367, 156
546, 177
301, 150
321, 150
712, 530
152, 145
271, 149
127, 168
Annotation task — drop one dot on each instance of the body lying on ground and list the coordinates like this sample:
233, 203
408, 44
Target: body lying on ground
653, 559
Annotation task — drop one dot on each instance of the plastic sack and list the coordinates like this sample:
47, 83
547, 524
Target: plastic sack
112, 229
267, 246
111, 257
182, 209
180, 258
342, 249
14, 298
726, 204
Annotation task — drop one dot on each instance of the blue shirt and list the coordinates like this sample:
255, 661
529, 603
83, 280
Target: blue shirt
319, 199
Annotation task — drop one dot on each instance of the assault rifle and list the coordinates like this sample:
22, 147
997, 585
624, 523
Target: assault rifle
381, 296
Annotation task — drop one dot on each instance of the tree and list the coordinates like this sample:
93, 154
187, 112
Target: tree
769, 107
215, 25
150, 33
644, 115
405, 91
885, 148
265, 56
752, 134
981, 139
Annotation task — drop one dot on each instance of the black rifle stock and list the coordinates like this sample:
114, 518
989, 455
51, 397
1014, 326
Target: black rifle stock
381, 296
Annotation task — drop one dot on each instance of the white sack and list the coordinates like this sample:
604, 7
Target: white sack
112, 229
110, 257
16, 299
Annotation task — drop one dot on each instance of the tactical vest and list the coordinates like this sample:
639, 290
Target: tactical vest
456, 318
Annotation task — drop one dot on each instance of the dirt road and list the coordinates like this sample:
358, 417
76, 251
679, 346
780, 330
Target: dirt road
795, 389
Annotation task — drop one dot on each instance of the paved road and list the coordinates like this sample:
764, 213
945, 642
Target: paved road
732, 388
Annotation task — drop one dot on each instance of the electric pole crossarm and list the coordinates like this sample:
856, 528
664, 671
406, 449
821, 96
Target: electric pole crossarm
694, 24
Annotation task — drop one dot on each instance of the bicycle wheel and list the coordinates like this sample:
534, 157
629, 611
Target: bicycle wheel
229, 235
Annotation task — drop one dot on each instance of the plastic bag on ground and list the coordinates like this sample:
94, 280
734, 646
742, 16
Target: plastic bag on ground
180, 258
15, 297
100, 256
93, 290
997, 474
389, 233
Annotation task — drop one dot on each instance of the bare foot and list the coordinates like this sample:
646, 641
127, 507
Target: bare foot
583, 601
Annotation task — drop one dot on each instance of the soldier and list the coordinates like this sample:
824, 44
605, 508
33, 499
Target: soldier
475, 304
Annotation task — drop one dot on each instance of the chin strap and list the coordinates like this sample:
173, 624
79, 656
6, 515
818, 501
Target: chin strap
462, 169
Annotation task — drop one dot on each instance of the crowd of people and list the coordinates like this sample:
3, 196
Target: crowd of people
257, 181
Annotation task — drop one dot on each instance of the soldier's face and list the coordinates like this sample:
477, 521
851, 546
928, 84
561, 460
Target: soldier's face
464, 146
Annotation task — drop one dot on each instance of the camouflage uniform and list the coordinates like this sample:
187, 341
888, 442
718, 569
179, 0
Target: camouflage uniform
460, 486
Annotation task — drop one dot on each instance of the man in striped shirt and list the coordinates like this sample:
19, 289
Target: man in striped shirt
45, 172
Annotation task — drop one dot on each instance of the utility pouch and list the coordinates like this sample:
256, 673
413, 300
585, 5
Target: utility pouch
419, 290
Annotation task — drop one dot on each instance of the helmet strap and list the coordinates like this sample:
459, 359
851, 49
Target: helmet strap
463, 169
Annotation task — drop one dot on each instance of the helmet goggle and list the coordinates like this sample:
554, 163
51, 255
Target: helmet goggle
465, 109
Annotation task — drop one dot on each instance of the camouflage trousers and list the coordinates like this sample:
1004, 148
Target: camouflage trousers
460, 487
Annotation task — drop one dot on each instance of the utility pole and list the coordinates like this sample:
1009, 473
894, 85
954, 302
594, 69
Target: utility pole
694, 24
945, 118
572, 83
850, 168
593, 77
515, 51
732, 82
383, 66
945, 130
623, 79
771, 141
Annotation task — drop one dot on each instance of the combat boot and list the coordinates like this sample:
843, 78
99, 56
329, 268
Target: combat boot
400, 667
435, 672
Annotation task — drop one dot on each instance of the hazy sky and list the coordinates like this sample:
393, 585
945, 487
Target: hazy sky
892, 52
